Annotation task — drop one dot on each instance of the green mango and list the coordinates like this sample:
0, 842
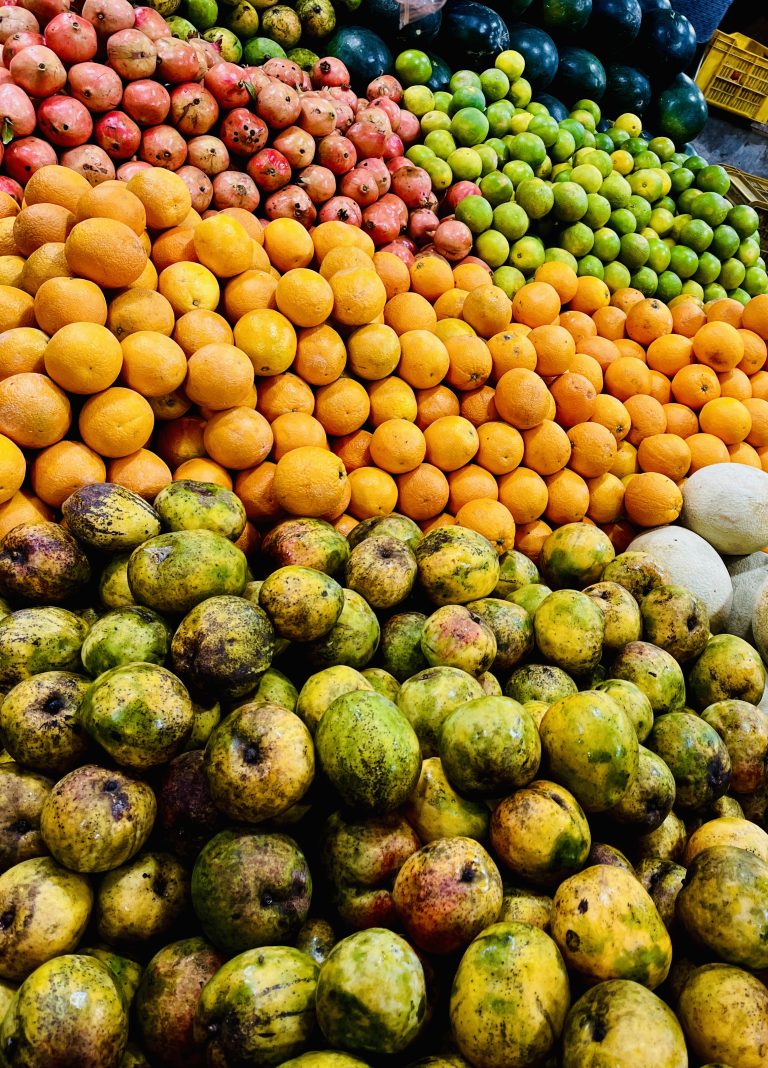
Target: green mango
110, 517
22, 796
34, 640
40, 722
190, 505
174, 572
42, 563
124, 636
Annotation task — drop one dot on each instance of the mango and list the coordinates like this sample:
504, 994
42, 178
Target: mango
575, 555
34, 640
453, 636
353, 639
110, 517
308, 543
637, 572
512, 628
303, 604
456, 565
382, 569
515, 570
657, 674
40, 721
649, 798
174, 572
744, 730
114, 591
676, 620
435, 810
22, 795
621, 613
521, 905
316, 938
123, 636
190, 505
634, 702
393, 525
695, 754
724, 1014
663, 879
729, 668
401, 644
427, 698
141, 900
529, 596
382, 682
539, 682
321, 690
41, 563
277, 689
569, 630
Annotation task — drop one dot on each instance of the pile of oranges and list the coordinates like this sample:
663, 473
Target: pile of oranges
140, 343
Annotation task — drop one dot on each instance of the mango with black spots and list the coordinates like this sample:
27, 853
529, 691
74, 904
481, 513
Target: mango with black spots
727, 831
277, 689
328, 1058
426, 699
744, 729
188, 504
22, 796
724, 1014
623, 622
140, 901
569, 629
695, 754
382, 569
34, 640
114, 591
393, 525
436, 810
523, 905
512, 628
729, 668
676, 620
650, 796
109, 517
302, 604
633, 701
607, 927
382, 682
42, 563
638, 572
316, 938
539, 682
123, 636
353, 639
40, 722
308, 543
663, 879
400, 651
655, 671
575, 555
456, 565
323, 687
667, 842
173, 572
125, 972
515, 570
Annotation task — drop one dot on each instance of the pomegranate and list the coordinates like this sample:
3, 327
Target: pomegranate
345, 116
118, 135
226, 82
90, 161
458, 191
109, 16
16, 20
400, 249
72, 39
296, 145
377, 117
38, 70
17, 42
150, 22
12, 188
45, 10
147, 102
385, 85
176, 60
359, 185
397, 204
244, 133
64, 121
193, 108
233, 189
390, 109
337, 153
422, 225
341, 209
269, 169
207, 56
319, 183
377, 168
27, 155
330, 71
285, 70
199, 185
291, 202
409, 128
132, 54
453, 239
367, 139
209, 153
381, 222
5, 76
95, 85
393, 146
255, 78
318, 115
278, 105
162, 146
17, 112
127, 170
396, 162
413, 185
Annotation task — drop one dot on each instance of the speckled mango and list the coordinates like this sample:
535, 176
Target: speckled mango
744, 729
695, 754
308, 543
539, 682
435, 810
191, 505
22, 796
40, 721
393, 525
41, 563
515, 570
637, 572
34, 640
633, 701
110, 517
569, 629
649, 798
428, 698
174, 572
663, 879
401, 644
114, 591
353, 639
456, 565
729, 668
724, 1013
727, 831
621, 612
123, 636
139, 902
512, 627
321, 689
575, 555
657, 674
328, 1058
303, 604
676, 620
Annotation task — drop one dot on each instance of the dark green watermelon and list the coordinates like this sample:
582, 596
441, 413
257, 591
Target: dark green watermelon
383, 16
441, 73
562, 17
513, 8
420, 33
655, 5
363, 52
556, 108
540, 52
680, 111
614, 24
626, 89
580, 75
666, 42
472, 34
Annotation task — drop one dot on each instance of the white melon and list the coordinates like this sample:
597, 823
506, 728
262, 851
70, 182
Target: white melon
760, 623
727, 505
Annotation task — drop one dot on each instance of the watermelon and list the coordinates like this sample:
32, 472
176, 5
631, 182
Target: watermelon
580, 75
513, 8
680, 111
555, 107
626, 89
472, 34
562, 17
363, 52
655, 5
613, 24
667, 43
539, 52
384, 17
441, 73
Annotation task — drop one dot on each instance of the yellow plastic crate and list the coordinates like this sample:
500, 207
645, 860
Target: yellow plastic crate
753, 190
734, 75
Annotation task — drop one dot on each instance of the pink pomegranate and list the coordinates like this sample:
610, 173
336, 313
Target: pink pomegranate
132, 54
209, 153
25, 156
381, 221
398, 206
150, 22
64, 121
409, 128
5, 76
233, 189
95, 85
269, 169
207, 56
109, 16
319, 183
176, 60
400, 249
193, 108
367, 139
72, 38
341, 209
393, 146
359, 185
38, 70
413, 185
17, 112
296, 145
330, 71
291, 202
256, 78
396, 162
278, 105
390, 109
199, 185
453, 239
337, 153
385, 85
377, 117
377, 168
422, 225
127, 170
147, 102
244, 133
345, 116
90, 161
17, 42
16, 20
318, 114
12, 188
226, 82
118, 135
162, 146
45, 10
285, 70
458, 191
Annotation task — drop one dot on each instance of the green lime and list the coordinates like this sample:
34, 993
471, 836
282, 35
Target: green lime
670, 166
467, 96
749, 252
713, 179
570, 201
686, 200
517, 170
413, 67
607, 244
635, 251
732, 273
545, 127
510, 220
755, 281
499, 116
535, 196
509, 279
442, 100
697, 235
511, 62
616, 190
440, 173
590, 106
520, 92
440, 142
464, 77
682, 179
577, 239
601, 161
575, 129
469, 126
667, 203
714, 291
561, 173
584, 117
646, 159
527, 254
488, 157
536, 108
618, 137
708, 269
641, 210
668, 287
623, 221
683, 261
434, 120
695, 163
466, 164
664, 147
678, 224
598, 211
661, 221
635, 145
659, 255
616, 276
679, 158
743, 219
499, 148
646, 280
495, 83
418, 99
497, 188
564, 147
492, 247
603, 142
419, 154
528, 147
712, 207
591, 266
739, 294
475, 212
693, 289
726, 242
588, 177
648, 233
560, 255
646, 183
589, 139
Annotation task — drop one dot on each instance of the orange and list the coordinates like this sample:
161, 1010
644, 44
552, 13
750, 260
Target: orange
530, 538
112, 200
647, 417
62, 301
589, 367
652, 499
627, 347
468, 276
579, 325
478, 405
611, 413
432, 404
626, 460
606, 498
248, 291
759, 382
53, 184
661, 387
22, 508
735, 384
16, 308
451, 442
470, 362
546, 448
284, 393
304, 297
288, 244
687, 317
758, 411
445, 519
174, 246
524, 493
329, 235
256, 490
200, 470
201, 327
501, 447
424, 358
665, 453
12, 273
397, 446
725, 310
223, 245
647, 320
601, 349
610, 322
591, 294
522, 398
431, 276
189, 286
422, 493
62, 468
249, 221
510, 350
295, 430
13, 468
761, 452
181, 440
409, 311
624, 298
694, 385
669, 353
84, 357
373, 351
143, 472
755, 352
568, 498
490, 518
391, 398
248, 400
488, 310
268, 339
7, 244
593, 449
470, 483
536, 304
342, 407
310, 481
140, 309
218, 376
165, 197
39, 224
555, 348
561, 277
148, 278
450, 304
48, 261
105, 251
681, 420
718, 345
320, 354
743, 453
755, 316
359, 296
345, 524
238, 438
575, 399
446, 328
355, 449
374, 493
726, 418
627, 377
9, 208
116, 422
393, 273
153, 364
22, 349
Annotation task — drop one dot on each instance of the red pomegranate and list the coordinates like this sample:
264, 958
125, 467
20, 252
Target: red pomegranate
422, 225
176, 60
109, 16
132, 54
64, 121
17, 112
458, 191
385, 85
209, 153
12, 188
377, 168
367, 139
269, 169
413, 185
118, 135
233, 189
409, 128
341, 209
278, 104
38, 71
226, 82
402, 250
72, 38
393, 146
16, 20
331, 72
359, 185
90, 161
319, 183
193, 109
127, 170
243, 133
318, 114
390, 109
199, 185
45, 10
95, 85
17, 42
285, 70
162, 146
27, 155
147, 102
296, 145
345, 116
291, 202
337, 153
381, 221
453, 239
150, 22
